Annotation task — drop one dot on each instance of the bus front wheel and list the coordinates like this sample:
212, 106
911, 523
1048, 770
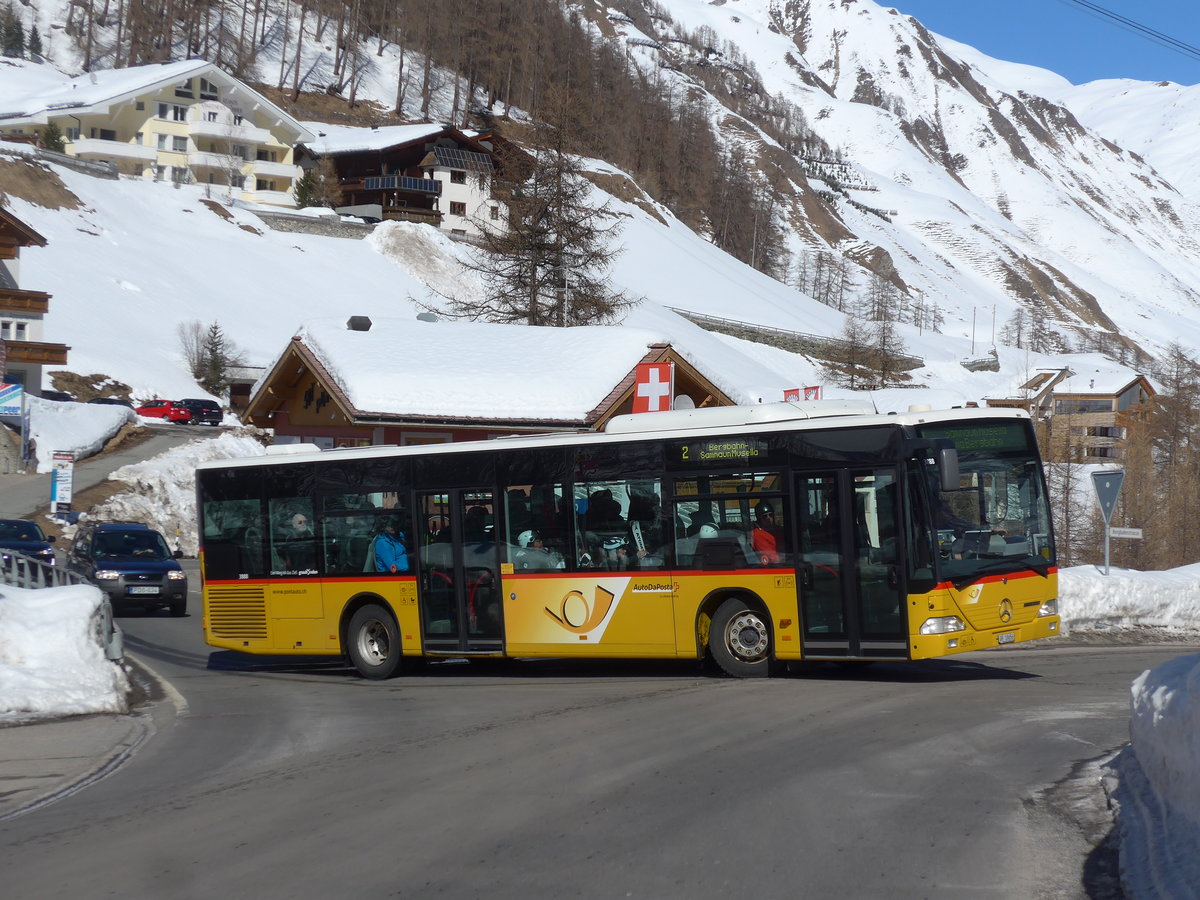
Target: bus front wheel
740, 640
373, 641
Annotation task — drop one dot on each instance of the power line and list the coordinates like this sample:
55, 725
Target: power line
1134, 27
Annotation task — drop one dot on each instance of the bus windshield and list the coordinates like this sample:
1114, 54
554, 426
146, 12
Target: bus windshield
999, 518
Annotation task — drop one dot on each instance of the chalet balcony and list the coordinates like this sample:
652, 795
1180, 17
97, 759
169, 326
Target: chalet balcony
270, 198
227, 131
14, 300
36, 353
200, 159
96, 148
261, 168
412, 214
405, 183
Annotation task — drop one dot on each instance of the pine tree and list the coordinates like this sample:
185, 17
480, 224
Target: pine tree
215, 361
35, 43
52, 138
12, 35
547, 264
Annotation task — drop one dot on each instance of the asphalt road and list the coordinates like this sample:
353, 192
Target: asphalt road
22, 496
271, 778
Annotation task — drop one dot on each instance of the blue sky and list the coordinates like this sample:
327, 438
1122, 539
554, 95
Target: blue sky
1060, 36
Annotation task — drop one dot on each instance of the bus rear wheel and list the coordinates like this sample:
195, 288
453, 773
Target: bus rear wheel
373, 642
740, 640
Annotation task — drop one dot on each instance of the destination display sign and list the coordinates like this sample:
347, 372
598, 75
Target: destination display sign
721, 451
990, 436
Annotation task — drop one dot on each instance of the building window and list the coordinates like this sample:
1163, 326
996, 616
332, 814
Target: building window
179, 113
137, 139
458, 177
238, 120
264, 184
162, 142
458, 209
179, 144
73, 133
104, 134
184, 90
1069, 406
140, 106
265, 156
210, 116
494, 212
208, 90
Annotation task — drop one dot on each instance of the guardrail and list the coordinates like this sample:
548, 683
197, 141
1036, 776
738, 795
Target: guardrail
23, 571
796, 341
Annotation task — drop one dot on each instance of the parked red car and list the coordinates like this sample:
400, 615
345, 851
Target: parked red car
165, 409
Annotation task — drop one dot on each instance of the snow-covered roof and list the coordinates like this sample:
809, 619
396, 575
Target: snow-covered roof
98, 90
1087, 373
476, 369
331, 140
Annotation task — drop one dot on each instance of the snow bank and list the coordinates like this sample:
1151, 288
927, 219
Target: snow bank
80, 428
163, 488
1089, 599
1165, 731
50, 661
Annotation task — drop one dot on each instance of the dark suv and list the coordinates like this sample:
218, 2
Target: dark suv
204, 412
25, 537
131, 563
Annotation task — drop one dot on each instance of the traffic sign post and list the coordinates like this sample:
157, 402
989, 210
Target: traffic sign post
61, 478
1108, 488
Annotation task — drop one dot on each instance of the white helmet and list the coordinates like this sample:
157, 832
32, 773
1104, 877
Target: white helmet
708, 531
525, 538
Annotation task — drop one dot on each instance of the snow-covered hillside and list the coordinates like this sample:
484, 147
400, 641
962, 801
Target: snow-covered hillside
994, 199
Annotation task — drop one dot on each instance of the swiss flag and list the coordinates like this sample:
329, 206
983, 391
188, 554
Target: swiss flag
654, 388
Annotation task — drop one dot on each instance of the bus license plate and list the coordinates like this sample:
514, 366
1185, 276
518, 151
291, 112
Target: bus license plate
144, 589
1007, 638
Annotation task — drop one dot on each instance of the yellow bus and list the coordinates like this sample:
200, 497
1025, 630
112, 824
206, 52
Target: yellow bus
749, 537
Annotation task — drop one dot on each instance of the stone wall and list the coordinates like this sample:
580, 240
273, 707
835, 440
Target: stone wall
325, 226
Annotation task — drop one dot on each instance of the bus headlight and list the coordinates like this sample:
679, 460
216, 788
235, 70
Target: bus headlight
1049, 608
943, 625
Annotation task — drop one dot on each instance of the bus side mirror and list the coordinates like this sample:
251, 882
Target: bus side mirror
947, 463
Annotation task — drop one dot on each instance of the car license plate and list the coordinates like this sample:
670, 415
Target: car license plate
1007, 638
144, 589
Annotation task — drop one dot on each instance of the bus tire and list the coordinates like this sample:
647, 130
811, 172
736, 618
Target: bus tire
373, 642
739, 640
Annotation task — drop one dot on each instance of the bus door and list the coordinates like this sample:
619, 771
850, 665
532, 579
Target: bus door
458, 571
851, 578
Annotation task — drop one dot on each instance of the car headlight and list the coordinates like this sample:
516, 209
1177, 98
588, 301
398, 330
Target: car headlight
107, 575
1049, 608
943, 625
176, 576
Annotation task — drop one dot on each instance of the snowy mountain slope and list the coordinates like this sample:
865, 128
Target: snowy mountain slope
959, 183
1001, 197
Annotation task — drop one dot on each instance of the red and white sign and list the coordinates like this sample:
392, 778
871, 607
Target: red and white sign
791, 395
654, 388
812, 393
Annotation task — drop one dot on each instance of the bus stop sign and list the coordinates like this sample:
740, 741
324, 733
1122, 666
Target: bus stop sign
1108, 487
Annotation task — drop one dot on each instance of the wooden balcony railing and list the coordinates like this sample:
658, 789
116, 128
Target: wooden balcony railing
15, 300
36, 353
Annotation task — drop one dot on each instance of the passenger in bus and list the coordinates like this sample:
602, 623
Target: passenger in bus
534, 555
475, 524
391, 555
603, 511
766, 537
299, 547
